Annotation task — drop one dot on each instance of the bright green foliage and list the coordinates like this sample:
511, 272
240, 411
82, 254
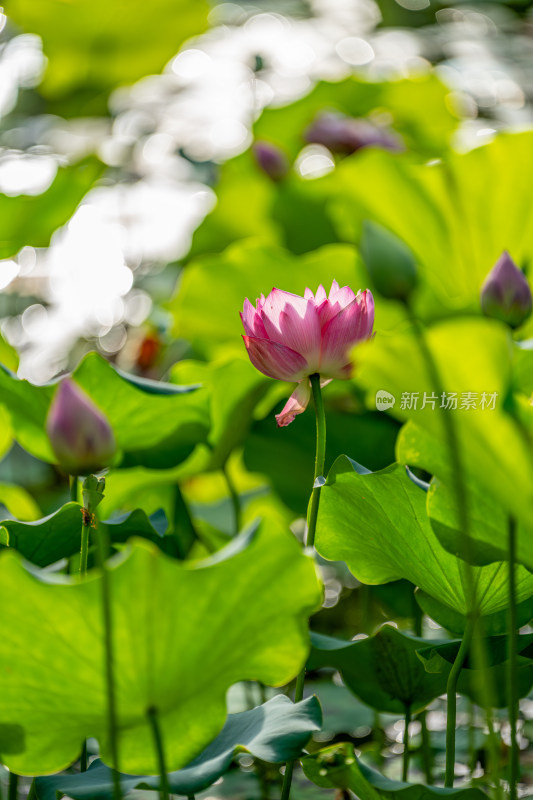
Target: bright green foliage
459, 221
274, 732
209, 319
94, 46
377, 523
45, 541
472, 356
169, 420
19, 502
168, 619
337, 767
234, 389
32, 219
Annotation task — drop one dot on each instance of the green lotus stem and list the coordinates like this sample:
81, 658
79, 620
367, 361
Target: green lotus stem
427, 760
454, 449
234, 497
406, 754
320, 456
84, 549
73, 485
512, 680
83, 757
160, 752
451, 692
110, 677
13, 787
480, 659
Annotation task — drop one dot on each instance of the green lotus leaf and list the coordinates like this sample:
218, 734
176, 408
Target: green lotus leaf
337, 767
93, 46
274, 732
377, 523
474, 359
383, 670
169, 420
183, 633
46, 540
458, 224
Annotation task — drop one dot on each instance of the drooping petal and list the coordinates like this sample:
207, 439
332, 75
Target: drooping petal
296, 404
352, 324
275, 360
251, 319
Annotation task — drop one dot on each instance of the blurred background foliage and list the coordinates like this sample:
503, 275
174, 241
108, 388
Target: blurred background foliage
136, 214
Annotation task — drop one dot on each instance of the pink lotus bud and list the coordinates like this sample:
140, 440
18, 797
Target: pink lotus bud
289, 337
271, 160
506, 295
343, 134
80, 435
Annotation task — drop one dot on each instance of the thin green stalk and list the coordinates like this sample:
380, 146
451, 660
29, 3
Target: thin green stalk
73, 485
84, 549
13, 788
110, 678
451, 691
427, 759
32, 794
320, 458
512, 680
458, 478
406, 753
160, 752
235, 499
83, 757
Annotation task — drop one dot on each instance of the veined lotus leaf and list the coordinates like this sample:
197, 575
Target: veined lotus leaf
183, 633
274, 732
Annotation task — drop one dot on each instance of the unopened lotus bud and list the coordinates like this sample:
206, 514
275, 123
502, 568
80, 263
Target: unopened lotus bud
80, 434
271, 160
389, 262
506, 295
343, 134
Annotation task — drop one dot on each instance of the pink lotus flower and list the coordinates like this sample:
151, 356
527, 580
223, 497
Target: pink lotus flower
289, 337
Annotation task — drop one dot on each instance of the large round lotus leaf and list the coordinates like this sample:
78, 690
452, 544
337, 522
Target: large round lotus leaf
458, 222
377, 523
474, 359
182, 635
